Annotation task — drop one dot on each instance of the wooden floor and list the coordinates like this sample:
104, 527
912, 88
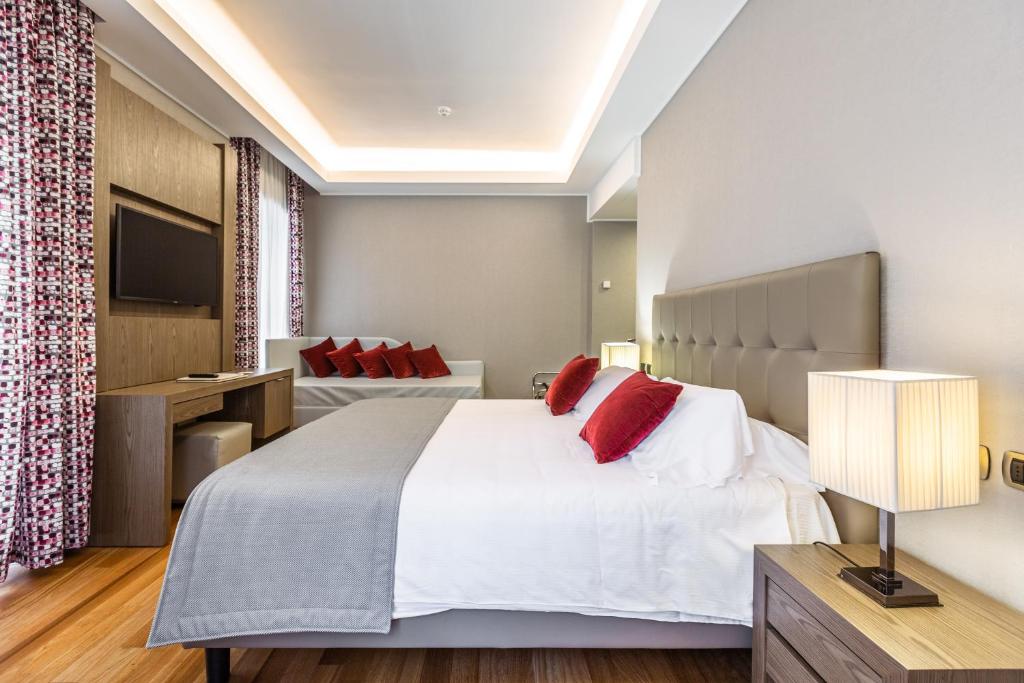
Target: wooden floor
88, 619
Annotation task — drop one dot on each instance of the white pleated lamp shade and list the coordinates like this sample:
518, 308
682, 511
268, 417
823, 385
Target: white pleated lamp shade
901, 441
624, 354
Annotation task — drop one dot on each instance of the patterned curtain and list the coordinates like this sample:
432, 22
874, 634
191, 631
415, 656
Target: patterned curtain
296, 284
47, 302
247, 254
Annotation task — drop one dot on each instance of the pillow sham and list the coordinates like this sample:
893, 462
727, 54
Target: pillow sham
343, 359
398, 361
632, 411
703, 441
604, 383
428, 362
778, 453
570, 384
316, 357
373, 362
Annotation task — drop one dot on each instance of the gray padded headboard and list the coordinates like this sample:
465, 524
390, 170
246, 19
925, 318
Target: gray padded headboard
760, 335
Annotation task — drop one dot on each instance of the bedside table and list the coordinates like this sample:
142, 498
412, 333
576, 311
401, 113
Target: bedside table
809, 625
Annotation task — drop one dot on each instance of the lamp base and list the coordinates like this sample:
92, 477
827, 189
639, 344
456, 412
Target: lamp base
898, 591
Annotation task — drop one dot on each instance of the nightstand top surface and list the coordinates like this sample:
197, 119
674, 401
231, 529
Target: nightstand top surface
970, 631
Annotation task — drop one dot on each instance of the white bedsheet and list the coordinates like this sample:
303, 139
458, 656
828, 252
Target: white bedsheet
506, 509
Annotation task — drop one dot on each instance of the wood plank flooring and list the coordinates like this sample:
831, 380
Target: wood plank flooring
88, 619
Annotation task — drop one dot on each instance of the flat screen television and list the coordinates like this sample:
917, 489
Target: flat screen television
157, 260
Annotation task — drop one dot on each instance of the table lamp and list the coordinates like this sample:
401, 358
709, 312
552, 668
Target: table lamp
625, 354
901, 441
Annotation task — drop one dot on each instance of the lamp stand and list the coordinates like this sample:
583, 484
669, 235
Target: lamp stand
883, 583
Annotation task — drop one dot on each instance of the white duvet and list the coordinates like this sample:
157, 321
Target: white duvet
506, 509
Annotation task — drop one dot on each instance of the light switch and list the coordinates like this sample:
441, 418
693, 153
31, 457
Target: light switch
606, 284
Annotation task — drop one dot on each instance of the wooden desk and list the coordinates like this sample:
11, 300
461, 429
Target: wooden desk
809, 625
131, 497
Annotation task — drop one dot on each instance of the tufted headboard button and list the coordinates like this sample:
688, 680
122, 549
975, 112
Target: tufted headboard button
771, 324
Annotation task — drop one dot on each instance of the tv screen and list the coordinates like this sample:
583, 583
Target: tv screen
157, 260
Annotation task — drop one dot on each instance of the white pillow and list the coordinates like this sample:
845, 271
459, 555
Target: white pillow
703, 441
604, 383
778, 454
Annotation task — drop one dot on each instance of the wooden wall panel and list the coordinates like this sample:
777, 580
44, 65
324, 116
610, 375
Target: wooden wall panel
147, 160
139, 350
153, 155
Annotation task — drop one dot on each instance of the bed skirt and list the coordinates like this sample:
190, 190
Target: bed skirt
511, 629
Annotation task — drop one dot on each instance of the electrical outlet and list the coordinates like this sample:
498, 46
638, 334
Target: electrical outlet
1013, 469
1017, 471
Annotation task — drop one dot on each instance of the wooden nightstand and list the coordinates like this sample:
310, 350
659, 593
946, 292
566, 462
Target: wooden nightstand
809, 625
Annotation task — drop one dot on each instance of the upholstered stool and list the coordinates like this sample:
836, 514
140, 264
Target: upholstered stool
202, 447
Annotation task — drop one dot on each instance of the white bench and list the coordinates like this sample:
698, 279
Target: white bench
318, 396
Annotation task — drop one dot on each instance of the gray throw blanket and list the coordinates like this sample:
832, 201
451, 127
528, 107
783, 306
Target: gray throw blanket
300, 534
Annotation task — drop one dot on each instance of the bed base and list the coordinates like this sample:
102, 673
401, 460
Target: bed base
495, 629
218, 665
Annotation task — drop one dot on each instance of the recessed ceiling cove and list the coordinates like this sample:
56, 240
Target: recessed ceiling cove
354, 88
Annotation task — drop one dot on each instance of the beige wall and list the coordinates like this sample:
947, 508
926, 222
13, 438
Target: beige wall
817, 129
502, 279
613, 257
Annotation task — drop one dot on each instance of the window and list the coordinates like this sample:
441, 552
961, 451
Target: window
273, 269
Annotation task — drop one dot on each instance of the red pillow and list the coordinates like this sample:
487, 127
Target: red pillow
343, 359
398, 361
373, 362
428, 362
631, 412
570, 384
316, 357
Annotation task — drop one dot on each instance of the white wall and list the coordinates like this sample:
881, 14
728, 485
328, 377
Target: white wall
501, 279
817, 129
613, 257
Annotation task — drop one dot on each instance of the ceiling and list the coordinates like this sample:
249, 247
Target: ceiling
374, 73
544, 94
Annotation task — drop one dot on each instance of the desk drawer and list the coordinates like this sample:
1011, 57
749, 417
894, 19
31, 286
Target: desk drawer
190, 410
830, 659
267, 406
277, 406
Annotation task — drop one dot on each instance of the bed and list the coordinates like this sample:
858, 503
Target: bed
509, 535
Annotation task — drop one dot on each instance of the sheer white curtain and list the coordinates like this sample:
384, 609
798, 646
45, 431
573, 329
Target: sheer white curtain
273, 272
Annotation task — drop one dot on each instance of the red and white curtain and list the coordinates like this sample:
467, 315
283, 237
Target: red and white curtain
250, 236
47, 300
247, 253
296, 284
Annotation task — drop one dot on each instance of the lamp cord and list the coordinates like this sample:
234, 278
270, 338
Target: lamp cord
836, 551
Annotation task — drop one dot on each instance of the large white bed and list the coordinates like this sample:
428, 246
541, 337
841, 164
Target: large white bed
506, 509
509, 534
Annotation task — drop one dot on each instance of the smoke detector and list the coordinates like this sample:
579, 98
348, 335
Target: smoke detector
444, 111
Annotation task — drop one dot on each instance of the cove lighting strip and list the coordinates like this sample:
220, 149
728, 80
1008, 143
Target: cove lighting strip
206, 23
